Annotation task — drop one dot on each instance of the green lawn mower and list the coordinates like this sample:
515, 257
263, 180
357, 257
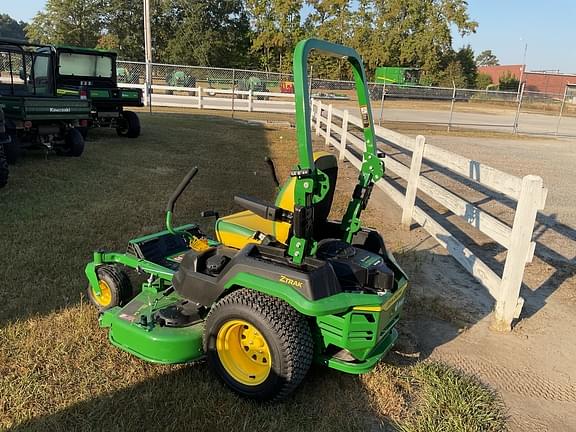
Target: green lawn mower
280, 286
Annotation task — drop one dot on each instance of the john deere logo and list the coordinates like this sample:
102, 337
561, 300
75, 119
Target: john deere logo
291, 282
59, 110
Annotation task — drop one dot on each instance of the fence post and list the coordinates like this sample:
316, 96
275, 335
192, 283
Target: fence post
250, 100
561, 110
199, 97
318, 115
452, 104
343, 136
233, 89
328, 126
517, 118
382, 104
312, 107
509, 304
412, 186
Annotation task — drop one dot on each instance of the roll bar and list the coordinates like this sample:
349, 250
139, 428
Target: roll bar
307, 190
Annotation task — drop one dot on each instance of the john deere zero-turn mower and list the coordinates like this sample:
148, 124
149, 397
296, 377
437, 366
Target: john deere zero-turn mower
281, 286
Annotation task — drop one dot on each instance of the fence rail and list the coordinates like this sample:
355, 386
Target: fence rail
439, 106
339, 129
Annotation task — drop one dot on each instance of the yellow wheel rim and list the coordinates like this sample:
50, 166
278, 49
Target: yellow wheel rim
105, 297
244, 352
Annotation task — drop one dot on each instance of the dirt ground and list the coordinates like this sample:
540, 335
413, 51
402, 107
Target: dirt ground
532, 367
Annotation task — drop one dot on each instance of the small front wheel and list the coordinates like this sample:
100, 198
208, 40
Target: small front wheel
115, 288
258, 345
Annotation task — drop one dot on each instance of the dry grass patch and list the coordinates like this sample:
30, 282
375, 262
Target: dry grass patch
58, 371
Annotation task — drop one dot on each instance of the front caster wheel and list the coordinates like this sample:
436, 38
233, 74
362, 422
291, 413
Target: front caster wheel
115, 288
258, 345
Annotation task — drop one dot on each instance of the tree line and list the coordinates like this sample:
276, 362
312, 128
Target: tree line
261, 34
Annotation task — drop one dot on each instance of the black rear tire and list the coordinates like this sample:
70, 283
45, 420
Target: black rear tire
4, 171
117, 282
83, 131
285, 331
73, 144
130, 125
12, 149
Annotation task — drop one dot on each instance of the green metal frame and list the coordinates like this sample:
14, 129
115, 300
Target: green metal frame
307, 186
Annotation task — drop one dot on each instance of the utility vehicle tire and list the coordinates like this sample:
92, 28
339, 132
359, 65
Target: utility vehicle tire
130, 127
13, 149
83, 131
73, 144
4, 171
115, 287
258, 345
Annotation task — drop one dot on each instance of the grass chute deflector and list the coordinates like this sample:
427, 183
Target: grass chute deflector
307, 190
280, 287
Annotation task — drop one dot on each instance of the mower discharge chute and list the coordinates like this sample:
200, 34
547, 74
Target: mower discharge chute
280, 287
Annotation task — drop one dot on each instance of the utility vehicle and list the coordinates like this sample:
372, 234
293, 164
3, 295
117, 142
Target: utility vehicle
281, 285
4, 139
35, 116
92, 74
178, 78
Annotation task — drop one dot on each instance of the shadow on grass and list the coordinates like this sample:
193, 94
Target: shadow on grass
192, 399
56, 211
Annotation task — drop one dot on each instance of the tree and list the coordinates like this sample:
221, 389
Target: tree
487, 58
508, 82
124, 22
10, 28
330, 20
483, 80
453, 75
73, 22
277, 29
214, 33
465, 56
416, 33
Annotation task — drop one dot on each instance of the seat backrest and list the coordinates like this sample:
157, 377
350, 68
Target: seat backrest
328, 164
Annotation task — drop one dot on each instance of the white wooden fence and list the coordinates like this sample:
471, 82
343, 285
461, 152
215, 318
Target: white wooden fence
335, 126
218, 99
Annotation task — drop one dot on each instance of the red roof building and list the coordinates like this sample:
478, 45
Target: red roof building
543, 82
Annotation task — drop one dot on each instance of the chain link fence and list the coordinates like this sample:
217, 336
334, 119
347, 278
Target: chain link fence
503, 111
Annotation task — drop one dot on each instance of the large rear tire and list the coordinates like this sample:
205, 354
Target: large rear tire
12, 149
4, 171
258, 345
130, 125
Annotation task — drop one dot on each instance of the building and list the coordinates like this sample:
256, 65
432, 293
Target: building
543, 82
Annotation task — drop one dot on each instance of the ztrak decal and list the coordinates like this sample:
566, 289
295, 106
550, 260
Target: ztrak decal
291, 282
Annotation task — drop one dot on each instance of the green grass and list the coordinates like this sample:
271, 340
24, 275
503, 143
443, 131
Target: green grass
57, 369
452, 401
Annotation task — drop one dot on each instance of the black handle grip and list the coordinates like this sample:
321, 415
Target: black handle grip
262, 209
272, 170
181, 187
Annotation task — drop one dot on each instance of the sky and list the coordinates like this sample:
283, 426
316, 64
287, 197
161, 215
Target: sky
547, 29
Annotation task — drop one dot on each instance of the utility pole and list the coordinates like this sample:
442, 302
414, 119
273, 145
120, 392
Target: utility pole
523, 67
148, 53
